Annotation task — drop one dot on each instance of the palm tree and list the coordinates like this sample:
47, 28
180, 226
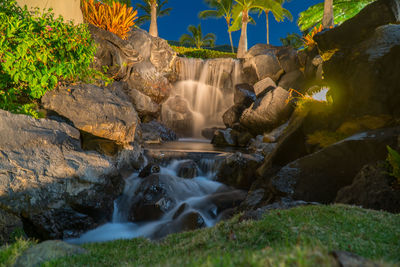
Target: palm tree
241, 18
146, 8
222, 9
280, 13
197, 39
293, 39
152, 10
342, 11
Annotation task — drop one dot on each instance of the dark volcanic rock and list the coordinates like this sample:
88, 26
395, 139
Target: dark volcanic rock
232, 115
319, 176
176, 114
209, 132
268, 112
95, 110
292, 80
266, 84
223, 138
148, 170
155, 131
244, 95
9, 224
187, 169
372, 188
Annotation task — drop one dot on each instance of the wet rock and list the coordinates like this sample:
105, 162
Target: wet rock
223, 138
256, 145
232, 115
9, 225
292, 80
227, 200
209, 132
148, 170
47, 251
242, 137
154, 131
268, 112
266, 84
319, 176
176, 114
244, 95
352, 61
239, 170
372, 188
95, 110
187, 169
44, 168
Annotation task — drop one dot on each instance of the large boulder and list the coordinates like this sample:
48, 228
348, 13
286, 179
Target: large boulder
154, 131
143, 61
292, 80
372, 188
362, 66
232, 115
244, 95
95, 110
265, 84
267, 112
45, 169
319, 176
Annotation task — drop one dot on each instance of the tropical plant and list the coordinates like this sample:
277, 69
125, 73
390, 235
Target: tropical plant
37, 52
146, 8
342, 10
279, 13
292, 39
309, 38
241, 18
115, 18
197, 39
394, 160
109, 2
202, 53
222, 9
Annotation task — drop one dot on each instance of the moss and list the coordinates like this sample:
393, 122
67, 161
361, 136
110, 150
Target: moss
324, 138
364, 123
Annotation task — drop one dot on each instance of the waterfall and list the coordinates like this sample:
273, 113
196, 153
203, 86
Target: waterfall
202, 94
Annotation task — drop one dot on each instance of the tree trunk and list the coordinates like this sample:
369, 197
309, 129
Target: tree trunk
242, 49
153, 24
327, 20
230, 37
267, 21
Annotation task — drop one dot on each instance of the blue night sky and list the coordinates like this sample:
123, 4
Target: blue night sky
185, 12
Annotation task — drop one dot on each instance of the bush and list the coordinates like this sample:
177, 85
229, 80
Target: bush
394, 161
36, 53
202, 53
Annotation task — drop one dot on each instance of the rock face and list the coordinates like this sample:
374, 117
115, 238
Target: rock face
176, 114
265, 84
156, 132
372, 188
95, 110
44, 169
239, 170
319, 176
143, 61
268, 112
244, 95
362, 67
187, 169
9, 225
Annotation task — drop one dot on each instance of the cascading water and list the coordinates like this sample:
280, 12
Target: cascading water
202, 94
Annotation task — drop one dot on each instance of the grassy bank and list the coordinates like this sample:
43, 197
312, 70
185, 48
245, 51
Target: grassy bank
301, 236
202, 53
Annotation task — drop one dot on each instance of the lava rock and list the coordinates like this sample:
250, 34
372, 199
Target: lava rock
149, 169
9, 224
292, 80
209, 132
372, 188
266, 84
154, 131
176, 114
187, 169
232, 115
223, 138
244, 95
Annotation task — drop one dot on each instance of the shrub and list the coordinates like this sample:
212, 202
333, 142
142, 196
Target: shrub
202, 53
115, 18
394, 160
37, 52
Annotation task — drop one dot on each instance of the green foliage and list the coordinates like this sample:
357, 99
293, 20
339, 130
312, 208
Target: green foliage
145, 6
9, 253
196, 38
109, 2
202, 53
301, 236
325, 138
342, 11
394, 160
37, 53
292, 39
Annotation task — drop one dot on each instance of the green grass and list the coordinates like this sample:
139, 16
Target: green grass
302, 236
9, 253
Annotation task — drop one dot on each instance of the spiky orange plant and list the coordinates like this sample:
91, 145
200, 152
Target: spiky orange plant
309, 38
115, 18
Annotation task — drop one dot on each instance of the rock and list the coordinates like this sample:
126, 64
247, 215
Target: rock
288, 59
275, 134
268, 112
208, 133
143, 104
47, 251
292, 80
319, 176
187, 169
176, 114
186, 222
257, 145
352, 60
242, 138
149, 169
10, 224
158, 194
348, 259
264, 65
239, 170
263, 85
155, 131
223, 138
244, 95
227, 200
44, 168
372, 188
142, 61
232, 115
94, 110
